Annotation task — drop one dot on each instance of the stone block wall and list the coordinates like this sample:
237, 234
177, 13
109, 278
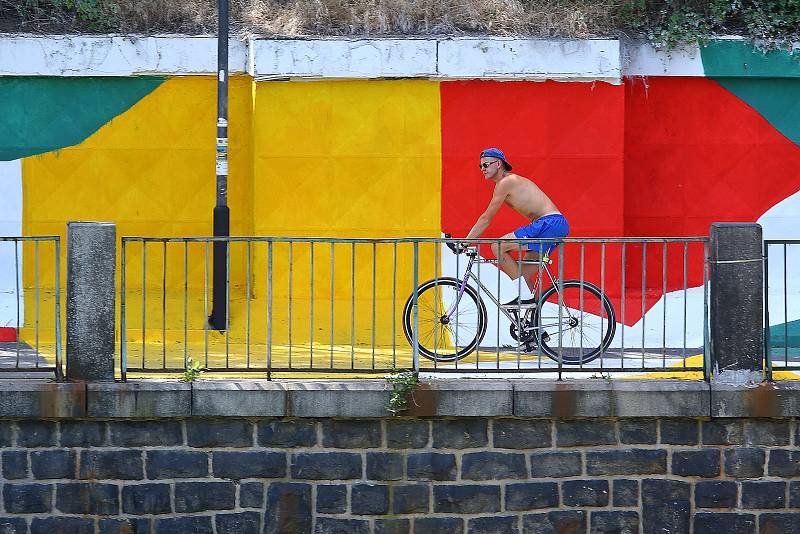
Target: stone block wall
396, 475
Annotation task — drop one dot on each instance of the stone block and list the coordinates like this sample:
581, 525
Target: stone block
521, 433
331, 498
6, 433
57, 463
491, 465
556, 464
410, 499
392, 526
794, 494
384, 466
783, 463
666, 505
463, 398
722, 522
767, 432
555, 522
531, 495
369, 499
41, 399
201, 496
291, 433
144, 499
715, 494
87, 498
584, 432
237, 465
638, 431
326, 465
178, 463
351, 434
51, 525
251, 494
15, 464
184, 525
331, 525
146, 398
493, 525
696, 463
763, 399
616, 522
238, 398
139, 525
83, 433
460, 433
763, 494
571, 398
625, 492
466, 499
626, 462
723, 432
27, 498
329, 398
582, 493
241, 523
431, 466
783, 523
36, 434
288, 508
145, 433
111, 464
680, 431
13, 525
660, 398
208, 433
744, 463
438, 525
407, 434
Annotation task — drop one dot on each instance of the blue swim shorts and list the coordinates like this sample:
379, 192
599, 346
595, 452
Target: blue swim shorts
554, 225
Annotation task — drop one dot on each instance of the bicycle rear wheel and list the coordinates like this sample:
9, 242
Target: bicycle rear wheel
587, 323
443, 339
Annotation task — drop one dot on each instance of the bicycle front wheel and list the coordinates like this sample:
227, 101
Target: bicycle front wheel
582, 328
444, 338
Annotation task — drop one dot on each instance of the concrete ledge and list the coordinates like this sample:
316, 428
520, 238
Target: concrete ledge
146, 398
351, 398
661, 398
463, 398
241, 398
777, 399
42, 399
565, 398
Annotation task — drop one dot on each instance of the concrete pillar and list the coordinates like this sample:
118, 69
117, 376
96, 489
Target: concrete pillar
91, 266
736, 302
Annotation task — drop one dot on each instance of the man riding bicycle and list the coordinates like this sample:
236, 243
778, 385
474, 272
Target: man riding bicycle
528, 200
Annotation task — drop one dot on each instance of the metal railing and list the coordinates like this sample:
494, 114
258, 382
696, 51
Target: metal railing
360, 306
30, 306
781, 305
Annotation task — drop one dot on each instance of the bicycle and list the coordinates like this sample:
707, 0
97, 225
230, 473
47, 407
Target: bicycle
571, 321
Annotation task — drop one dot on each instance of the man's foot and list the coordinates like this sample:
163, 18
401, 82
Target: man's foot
520, 304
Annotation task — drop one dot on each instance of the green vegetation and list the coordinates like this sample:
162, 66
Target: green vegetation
192, 372
404, 383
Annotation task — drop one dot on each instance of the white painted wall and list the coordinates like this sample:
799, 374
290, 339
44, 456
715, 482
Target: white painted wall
10, 225
782, 221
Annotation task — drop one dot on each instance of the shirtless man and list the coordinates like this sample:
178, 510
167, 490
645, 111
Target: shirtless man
529, 201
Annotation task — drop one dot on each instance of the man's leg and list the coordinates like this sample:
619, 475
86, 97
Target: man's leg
531, 270
508, 264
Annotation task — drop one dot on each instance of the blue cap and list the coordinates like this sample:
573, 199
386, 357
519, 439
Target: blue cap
496, 153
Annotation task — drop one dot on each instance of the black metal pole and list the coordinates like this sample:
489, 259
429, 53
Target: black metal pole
219, 310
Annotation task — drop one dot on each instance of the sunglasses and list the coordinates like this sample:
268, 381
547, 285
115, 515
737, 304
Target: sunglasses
484, 166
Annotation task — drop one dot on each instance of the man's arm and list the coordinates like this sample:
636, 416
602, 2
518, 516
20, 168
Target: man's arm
498, 197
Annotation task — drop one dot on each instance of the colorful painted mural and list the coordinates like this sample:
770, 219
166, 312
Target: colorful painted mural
651, 156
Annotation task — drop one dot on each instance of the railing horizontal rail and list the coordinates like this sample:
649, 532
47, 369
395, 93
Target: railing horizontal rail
358, 305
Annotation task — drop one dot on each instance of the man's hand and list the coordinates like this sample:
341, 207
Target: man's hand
460, 247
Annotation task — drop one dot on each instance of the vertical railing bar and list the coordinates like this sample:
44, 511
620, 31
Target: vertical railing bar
519, 303
455, 340
185, 303
561, 310
415, 298
205, 307
290, 302
685, 298
664, 300
478, 288
785, 308
394, 305
374, 282
583, 248
123, 312
500, 301
164, 308
36, 310
311, 306
144, 301
603, 294
17, 245
644, 290
332, 299
229, 247
248, 289
436, 306
353, 305
767, 347
269, 310
622, 306
706, 359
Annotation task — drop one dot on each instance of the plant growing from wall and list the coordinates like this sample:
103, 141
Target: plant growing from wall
192, 371
403, 383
